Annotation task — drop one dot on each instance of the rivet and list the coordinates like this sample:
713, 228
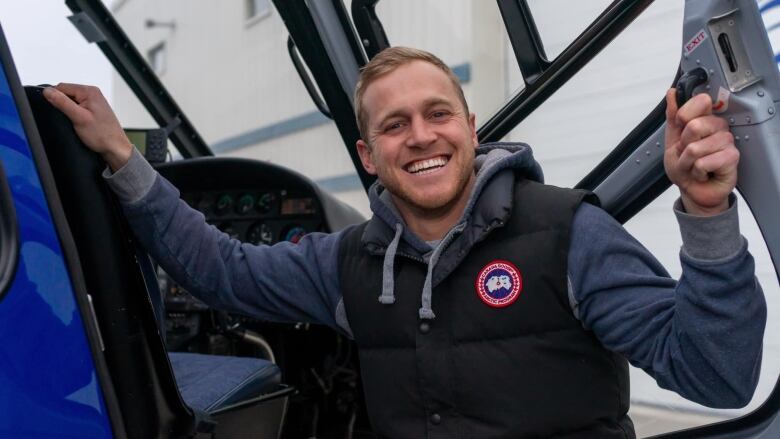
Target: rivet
707, 87
658, 144
731, 22
712, 71
647, 152
366, 43
748, 119
760, 93
771, 110
685, 56
747, 137
731, 120
748, 73
698, 61
638, 161
736, 138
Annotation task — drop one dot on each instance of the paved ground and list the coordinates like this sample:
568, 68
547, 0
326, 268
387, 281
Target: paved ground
650, 421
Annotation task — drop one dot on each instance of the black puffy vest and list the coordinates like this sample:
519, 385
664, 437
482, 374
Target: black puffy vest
525, 370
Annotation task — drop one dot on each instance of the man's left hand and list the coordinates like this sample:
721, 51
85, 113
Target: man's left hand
700, 156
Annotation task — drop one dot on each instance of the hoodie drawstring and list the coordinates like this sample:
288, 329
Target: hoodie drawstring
388, 282
388, 279
426, 312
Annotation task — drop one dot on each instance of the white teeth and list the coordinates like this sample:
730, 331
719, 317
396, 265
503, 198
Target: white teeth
426, 166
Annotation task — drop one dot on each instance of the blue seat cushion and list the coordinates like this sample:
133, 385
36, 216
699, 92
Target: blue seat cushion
211, 382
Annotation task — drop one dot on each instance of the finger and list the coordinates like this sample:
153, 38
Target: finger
697, 106
65, 104
671, 105
702, 127
709, 145
78, 92
673, 128
717, 165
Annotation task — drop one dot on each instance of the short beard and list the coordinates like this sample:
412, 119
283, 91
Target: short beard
440, 210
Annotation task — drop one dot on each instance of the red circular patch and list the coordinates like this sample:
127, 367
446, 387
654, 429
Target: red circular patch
499, 284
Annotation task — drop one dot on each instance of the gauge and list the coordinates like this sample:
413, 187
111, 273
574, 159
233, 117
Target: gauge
295, 234
245, 204
224, 203
260, 234
266, 202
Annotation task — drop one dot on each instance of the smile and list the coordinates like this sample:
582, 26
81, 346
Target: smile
427, 166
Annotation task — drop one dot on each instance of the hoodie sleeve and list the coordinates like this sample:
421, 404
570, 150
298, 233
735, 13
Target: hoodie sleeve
285, 282
700, 336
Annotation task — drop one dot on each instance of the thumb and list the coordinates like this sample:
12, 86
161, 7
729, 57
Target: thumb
62, 102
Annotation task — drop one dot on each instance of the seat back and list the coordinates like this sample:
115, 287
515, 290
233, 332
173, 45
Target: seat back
134, 351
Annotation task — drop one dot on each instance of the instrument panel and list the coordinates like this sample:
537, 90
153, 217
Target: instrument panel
255, 202
260, 217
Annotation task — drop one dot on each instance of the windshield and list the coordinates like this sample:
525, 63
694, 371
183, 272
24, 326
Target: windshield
229, 70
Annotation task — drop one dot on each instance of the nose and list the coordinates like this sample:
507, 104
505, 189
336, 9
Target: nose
421, 133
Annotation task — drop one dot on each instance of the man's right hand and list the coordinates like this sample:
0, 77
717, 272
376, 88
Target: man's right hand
94, 121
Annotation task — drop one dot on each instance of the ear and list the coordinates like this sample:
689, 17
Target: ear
473, 129
364, 151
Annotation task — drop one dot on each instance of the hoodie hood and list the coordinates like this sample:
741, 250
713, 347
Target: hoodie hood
496, 166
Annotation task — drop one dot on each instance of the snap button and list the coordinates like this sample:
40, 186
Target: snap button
435, 419
425, 327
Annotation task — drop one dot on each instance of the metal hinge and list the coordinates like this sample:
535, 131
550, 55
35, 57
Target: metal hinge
87, 27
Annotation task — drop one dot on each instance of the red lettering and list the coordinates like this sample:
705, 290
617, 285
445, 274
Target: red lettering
694, 42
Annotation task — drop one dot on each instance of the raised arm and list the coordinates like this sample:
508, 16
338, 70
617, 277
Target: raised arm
700, 336
285, 282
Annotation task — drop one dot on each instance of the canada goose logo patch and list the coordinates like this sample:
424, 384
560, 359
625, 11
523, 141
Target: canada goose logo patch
499, 284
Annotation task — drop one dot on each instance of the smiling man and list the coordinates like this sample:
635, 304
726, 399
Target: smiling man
484, 303
422, 150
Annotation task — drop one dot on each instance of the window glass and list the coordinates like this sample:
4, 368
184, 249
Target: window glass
587, 117
770, 13
238, 87
257, 8
157, 58
468, 35
655, 410
559, 22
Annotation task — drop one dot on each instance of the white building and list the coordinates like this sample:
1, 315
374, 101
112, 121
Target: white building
227, 66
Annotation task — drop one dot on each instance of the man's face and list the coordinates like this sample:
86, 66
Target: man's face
420, 141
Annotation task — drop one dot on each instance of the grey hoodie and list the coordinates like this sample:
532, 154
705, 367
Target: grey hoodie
700, 337
488, 207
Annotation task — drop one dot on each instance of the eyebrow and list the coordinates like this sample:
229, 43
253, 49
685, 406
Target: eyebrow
430, 102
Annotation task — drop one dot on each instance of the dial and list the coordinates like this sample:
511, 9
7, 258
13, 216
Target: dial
260, 234
245, 204
266, 202
295, 234
224, 203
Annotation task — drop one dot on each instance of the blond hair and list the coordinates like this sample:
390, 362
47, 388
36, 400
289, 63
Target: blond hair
387, 61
